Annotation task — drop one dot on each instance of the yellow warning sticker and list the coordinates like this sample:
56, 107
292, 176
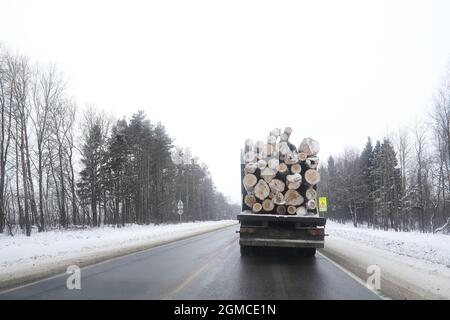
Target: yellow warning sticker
322, 204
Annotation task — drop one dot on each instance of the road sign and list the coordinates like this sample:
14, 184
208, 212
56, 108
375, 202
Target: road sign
180, 211
180, 205
323, 204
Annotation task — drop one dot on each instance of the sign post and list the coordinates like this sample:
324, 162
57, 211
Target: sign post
180, 208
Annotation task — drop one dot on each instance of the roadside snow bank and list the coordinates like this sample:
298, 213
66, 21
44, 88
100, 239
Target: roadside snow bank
429, 247
413, 265
26, 258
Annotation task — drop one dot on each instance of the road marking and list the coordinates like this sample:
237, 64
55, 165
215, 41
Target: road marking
354, 277
195, 274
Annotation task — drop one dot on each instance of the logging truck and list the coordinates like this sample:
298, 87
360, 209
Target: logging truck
279, 192
272, 230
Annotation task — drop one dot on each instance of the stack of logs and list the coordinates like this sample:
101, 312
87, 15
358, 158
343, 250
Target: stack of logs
277, 177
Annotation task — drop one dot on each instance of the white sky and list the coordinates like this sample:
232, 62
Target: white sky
216, 72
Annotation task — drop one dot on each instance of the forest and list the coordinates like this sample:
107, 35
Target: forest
63, 168
400, 183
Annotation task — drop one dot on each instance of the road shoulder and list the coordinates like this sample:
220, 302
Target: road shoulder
401, 277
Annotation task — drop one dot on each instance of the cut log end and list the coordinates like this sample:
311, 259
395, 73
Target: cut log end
293, 198
268, 205
249, 200
261, 190
257, 207
311, 204
268, 174
296, 168
249, 182
301, 211
291, 210
311, 193
312, 177
281, 210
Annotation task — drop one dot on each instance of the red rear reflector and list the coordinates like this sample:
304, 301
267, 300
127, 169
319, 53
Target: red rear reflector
247, 230
316, 232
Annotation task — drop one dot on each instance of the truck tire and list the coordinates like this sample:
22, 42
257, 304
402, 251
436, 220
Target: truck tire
245, 251
310, 252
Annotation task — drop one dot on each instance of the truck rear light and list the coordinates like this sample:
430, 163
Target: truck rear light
316, 232
247, 230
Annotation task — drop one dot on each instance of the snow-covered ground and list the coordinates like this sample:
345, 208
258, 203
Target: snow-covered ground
413, 264
25, 258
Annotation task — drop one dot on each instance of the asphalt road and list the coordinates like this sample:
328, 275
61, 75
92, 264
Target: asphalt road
208, 266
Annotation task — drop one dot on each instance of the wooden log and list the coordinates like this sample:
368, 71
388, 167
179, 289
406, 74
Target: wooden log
278, 199
273, 163
271, 194
312, 162
311, 193
281, 210
248, 145
276, 185
283, 148
276, 151
302, 156
261, 190
268, 174
249, 200
311, 204
249, 156
291, 210
268, 205
271, 140
291, 158
286, 134
293, 198
257, 207
275, 132
249, 182
311, 177
301, 211
296, 168
250, 167
260, 145
282, 171
309, 146
262, 164
294, 178
268, 151
293, 185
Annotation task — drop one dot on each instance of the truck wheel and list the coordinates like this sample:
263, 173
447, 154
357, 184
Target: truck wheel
310, 252
245, 251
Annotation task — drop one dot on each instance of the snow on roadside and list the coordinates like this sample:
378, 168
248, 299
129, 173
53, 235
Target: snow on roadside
413, 265
434, 248
21, 253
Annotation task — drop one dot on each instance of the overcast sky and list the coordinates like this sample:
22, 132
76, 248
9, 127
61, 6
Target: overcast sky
216, 72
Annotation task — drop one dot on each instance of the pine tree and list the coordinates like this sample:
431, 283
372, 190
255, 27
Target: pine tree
365, 180
92, 156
